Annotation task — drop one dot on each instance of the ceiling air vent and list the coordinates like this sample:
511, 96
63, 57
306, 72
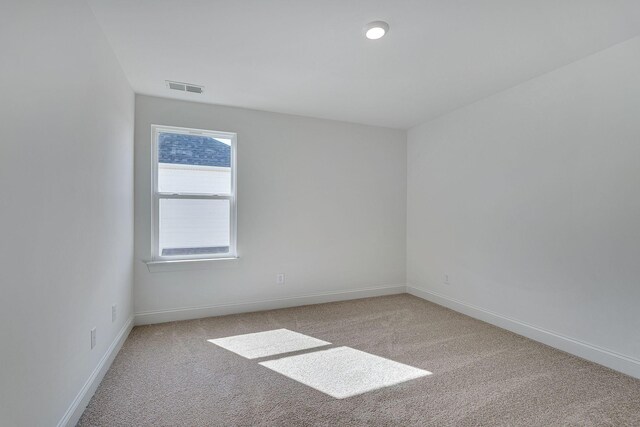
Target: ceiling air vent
185, 87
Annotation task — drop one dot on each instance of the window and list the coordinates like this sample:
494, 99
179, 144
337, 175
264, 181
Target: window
194, 199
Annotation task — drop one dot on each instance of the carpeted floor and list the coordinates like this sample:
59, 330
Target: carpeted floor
170, 375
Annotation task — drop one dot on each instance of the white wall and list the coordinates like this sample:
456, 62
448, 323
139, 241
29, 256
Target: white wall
323, 202
66, 222
193, 179
530, 201
184, 223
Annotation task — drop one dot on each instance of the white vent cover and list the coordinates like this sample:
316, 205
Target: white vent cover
184, 87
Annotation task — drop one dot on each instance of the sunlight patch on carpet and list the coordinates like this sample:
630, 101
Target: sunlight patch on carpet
269, 343
344, 372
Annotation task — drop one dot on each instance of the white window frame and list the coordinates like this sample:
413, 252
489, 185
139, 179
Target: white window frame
157, 195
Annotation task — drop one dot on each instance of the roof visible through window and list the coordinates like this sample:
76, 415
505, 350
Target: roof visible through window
185, 149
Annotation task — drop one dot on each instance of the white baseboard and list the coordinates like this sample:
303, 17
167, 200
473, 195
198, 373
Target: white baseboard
77, 407
150, 317
619, 362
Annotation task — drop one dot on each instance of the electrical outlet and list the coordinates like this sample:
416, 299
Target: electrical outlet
93, 338
280, 279
114, 312
445, 279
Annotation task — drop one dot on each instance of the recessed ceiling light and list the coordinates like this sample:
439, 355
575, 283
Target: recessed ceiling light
375, 30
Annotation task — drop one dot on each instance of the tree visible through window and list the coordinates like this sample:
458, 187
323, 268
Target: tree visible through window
194, 193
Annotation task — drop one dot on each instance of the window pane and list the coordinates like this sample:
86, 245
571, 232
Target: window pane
193, 164
194, 227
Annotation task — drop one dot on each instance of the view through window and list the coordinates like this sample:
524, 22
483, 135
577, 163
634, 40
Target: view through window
194, 193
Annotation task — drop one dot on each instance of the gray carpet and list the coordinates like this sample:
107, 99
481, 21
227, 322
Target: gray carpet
169, 375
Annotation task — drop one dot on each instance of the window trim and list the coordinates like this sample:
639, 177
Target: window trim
156, 196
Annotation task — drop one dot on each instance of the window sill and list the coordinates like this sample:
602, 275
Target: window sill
184, 264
